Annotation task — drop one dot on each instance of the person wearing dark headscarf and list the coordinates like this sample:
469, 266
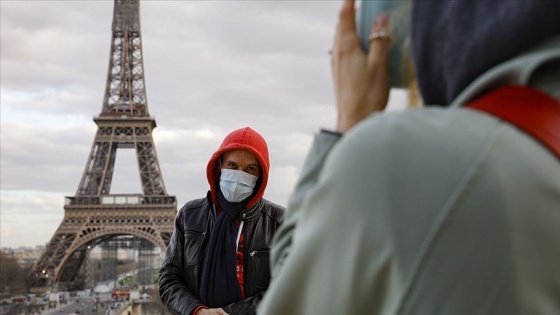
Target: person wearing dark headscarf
217, 261
446, 209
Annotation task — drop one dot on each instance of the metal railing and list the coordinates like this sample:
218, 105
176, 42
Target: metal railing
125, 199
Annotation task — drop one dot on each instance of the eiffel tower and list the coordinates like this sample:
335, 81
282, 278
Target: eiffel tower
94, 215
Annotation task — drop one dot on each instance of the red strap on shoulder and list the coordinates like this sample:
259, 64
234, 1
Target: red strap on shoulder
528, 109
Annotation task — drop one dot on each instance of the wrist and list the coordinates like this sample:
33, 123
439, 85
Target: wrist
199, 310
345, 124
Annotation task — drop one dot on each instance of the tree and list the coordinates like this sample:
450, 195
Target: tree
12, 278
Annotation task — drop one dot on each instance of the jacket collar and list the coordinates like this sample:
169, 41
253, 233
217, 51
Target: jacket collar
252, 212
516, 71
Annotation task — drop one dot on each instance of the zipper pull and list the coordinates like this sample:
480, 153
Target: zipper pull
253, 253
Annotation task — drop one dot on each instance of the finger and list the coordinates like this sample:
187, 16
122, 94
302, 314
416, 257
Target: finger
346, 38
333, 50
347, 17
378, 47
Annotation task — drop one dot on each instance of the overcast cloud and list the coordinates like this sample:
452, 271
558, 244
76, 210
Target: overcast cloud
210, 67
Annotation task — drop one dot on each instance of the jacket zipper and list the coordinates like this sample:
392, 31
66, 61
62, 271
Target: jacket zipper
246, 268
194, 232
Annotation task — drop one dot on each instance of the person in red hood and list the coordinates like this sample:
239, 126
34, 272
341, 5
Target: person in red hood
217, 260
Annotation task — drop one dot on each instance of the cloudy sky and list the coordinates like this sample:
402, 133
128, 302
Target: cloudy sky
210, 67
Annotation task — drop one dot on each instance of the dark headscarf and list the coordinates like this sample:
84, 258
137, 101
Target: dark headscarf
455, 41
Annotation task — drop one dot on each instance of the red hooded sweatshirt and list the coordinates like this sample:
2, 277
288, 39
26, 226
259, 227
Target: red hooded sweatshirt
241, 139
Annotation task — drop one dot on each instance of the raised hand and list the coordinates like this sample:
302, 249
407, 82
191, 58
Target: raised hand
361, 81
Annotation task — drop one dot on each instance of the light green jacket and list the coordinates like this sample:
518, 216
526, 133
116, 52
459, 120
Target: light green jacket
429, 211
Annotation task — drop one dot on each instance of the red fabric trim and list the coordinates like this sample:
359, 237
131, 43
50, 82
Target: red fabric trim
240, 264
198, 309
528, 109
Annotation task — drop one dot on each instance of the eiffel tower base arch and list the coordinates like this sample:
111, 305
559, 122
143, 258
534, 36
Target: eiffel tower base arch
87, 226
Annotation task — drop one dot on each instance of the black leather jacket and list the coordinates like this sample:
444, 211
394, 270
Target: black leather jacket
180, 273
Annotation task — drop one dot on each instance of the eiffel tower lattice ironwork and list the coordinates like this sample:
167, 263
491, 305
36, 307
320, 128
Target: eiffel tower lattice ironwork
94, 215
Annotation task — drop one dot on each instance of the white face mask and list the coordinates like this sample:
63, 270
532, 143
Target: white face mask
236, 185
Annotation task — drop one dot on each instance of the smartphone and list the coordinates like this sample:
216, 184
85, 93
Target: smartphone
399, 22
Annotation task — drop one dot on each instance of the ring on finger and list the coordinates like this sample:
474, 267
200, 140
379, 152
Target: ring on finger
378, 35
